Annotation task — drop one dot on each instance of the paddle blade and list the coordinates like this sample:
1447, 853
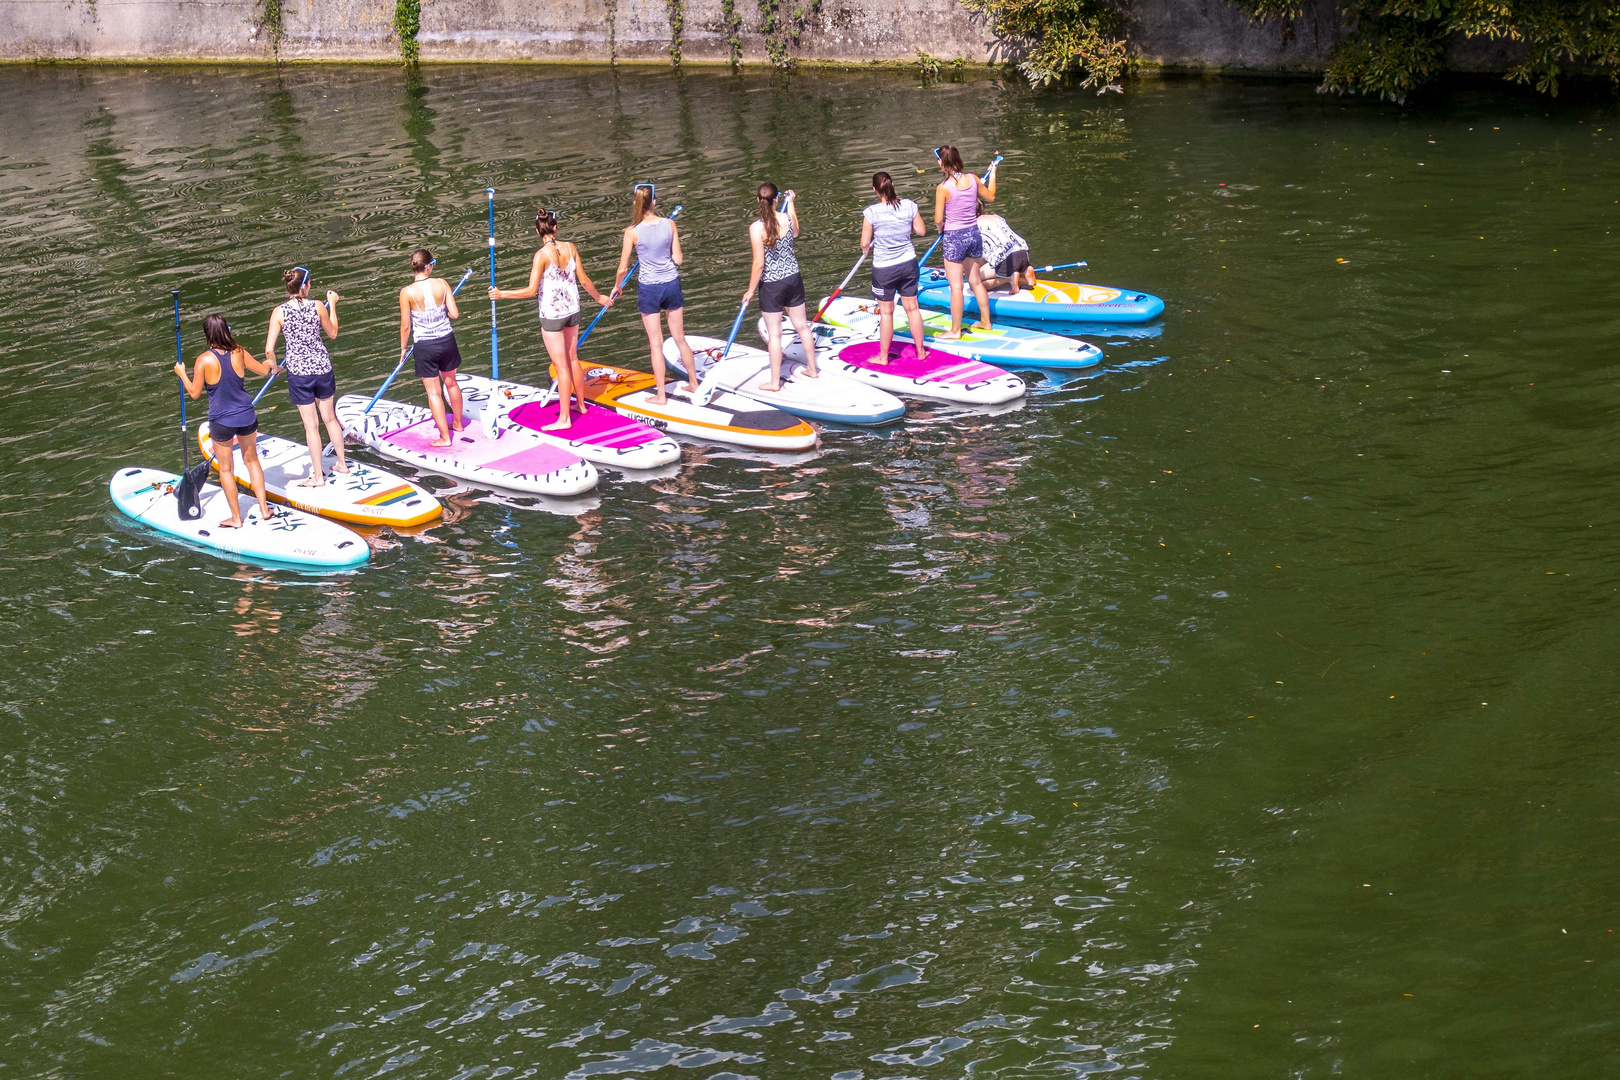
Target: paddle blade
186, 492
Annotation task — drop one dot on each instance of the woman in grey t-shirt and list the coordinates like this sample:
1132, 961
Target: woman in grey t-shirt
886, 231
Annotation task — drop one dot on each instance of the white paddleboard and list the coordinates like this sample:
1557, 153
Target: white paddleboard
516, 460
292, 538
367, 495
727, 418
601, 435
1003, 346
830, 397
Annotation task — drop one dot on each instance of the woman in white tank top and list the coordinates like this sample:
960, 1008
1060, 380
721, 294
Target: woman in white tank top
426, 307
555, 277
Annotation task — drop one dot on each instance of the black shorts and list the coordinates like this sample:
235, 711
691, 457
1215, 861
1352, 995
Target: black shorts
777, 296
889, 282
224, 433
307, 389
556, 326
1016, 263
437, 356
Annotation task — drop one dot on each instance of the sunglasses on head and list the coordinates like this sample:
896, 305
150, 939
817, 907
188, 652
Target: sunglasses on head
652, 190
305, 272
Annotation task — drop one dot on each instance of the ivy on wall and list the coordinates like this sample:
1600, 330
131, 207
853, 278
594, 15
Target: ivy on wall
612, 7
783, 28
1055, 38
270, 22
731, 26
676, 11
407, 24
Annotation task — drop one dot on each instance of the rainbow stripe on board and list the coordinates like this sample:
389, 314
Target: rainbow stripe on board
389, 497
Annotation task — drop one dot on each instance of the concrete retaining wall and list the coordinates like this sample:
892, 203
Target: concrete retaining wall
1173, 34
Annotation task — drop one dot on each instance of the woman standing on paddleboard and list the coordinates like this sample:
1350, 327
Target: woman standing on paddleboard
887, 227
426, 307
555, 277
956, 203
657, 243
776, 276
311, 385
220, 370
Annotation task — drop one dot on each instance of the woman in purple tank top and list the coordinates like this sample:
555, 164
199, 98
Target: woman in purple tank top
956, 201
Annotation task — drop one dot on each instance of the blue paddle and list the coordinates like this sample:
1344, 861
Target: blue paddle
266, 387
494, 339
617, 289
707, 395
409, 352
188, 487
929, 253
1059, 266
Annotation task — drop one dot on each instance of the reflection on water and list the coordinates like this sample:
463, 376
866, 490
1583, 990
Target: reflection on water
1188, 711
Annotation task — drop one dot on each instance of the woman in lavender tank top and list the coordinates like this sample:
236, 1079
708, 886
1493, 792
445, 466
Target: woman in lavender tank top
956, 201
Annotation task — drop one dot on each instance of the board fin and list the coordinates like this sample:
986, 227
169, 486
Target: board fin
187, 490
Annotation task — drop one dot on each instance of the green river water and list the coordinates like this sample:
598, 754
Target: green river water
1239, 709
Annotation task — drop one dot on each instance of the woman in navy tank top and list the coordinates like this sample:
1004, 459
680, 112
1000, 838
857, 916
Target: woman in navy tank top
220, 370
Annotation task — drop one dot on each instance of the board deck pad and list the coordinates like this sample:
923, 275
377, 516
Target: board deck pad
1051, 301
472, 447
599, 425
365, 495
1002, 345
830, 396
937, 366
600, 435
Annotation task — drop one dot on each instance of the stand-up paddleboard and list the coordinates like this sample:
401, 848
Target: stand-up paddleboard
1004, 346
728, 418
830, 397
941, 375
1050, 301
601, 435
515, 461
292, 538
366, 496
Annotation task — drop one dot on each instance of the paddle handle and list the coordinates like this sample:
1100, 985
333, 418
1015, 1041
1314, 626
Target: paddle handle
180, 358
1059, 266
494, 336
929, 253
408, 353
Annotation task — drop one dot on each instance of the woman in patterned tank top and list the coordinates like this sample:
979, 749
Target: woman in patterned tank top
311, 386
555, 277
776, 276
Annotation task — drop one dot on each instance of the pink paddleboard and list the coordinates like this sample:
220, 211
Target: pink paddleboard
940, 374
601, 435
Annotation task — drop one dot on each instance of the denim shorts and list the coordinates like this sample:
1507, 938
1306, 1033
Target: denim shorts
962, 244
651, 298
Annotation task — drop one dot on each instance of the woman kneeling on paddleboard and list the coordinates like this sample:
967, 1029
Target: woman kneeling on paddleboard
311, 385
886, 231
657, 243
956, 201
426, 307
556, 277
220, 371
776, 276
1005, 252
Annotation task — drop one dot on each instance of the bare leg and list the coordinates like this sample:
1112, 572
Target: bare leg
885, 331
1031, 273
655, 343
335, 430
953, 273
802, 327
979, 293
452, 394
914, 320
773, 345
250, 454
677, 330
227, 484
312, 439
436, 406
557, 349
571, 339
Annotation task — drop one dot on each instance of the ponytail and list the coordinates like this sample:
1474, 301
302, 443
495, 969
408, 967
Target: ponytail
951, 158
642, 206
218, 333
545, 223
766, 197
421, 260
883, 184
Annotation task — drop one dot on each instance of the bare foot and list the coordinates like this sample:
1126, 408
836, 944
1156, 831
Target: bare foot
342, 467
772, 387
950, 335
692, 386
660, 400
457, 426
982, 326
559, 425
311, 481
231, 523
442, 442
879, 362
268, 514
811, 373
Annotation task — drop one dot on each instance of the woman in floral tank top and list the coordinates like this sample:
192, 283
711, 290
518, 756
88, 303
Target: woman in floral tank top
311, 386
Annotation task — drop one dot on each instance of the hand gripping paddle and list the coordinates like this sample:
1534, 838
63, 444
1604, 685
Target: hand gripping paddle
192, 477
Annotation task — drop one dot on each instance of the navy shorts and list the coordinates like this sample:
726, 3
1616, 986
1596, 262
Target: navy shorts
651, 298
307, 389
889, 282
962, 244
224, 433
437, 356
777, 296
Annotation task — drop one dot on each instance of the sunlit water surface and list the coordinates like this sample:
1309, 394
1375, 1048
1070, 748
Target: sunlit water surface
1243, 708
